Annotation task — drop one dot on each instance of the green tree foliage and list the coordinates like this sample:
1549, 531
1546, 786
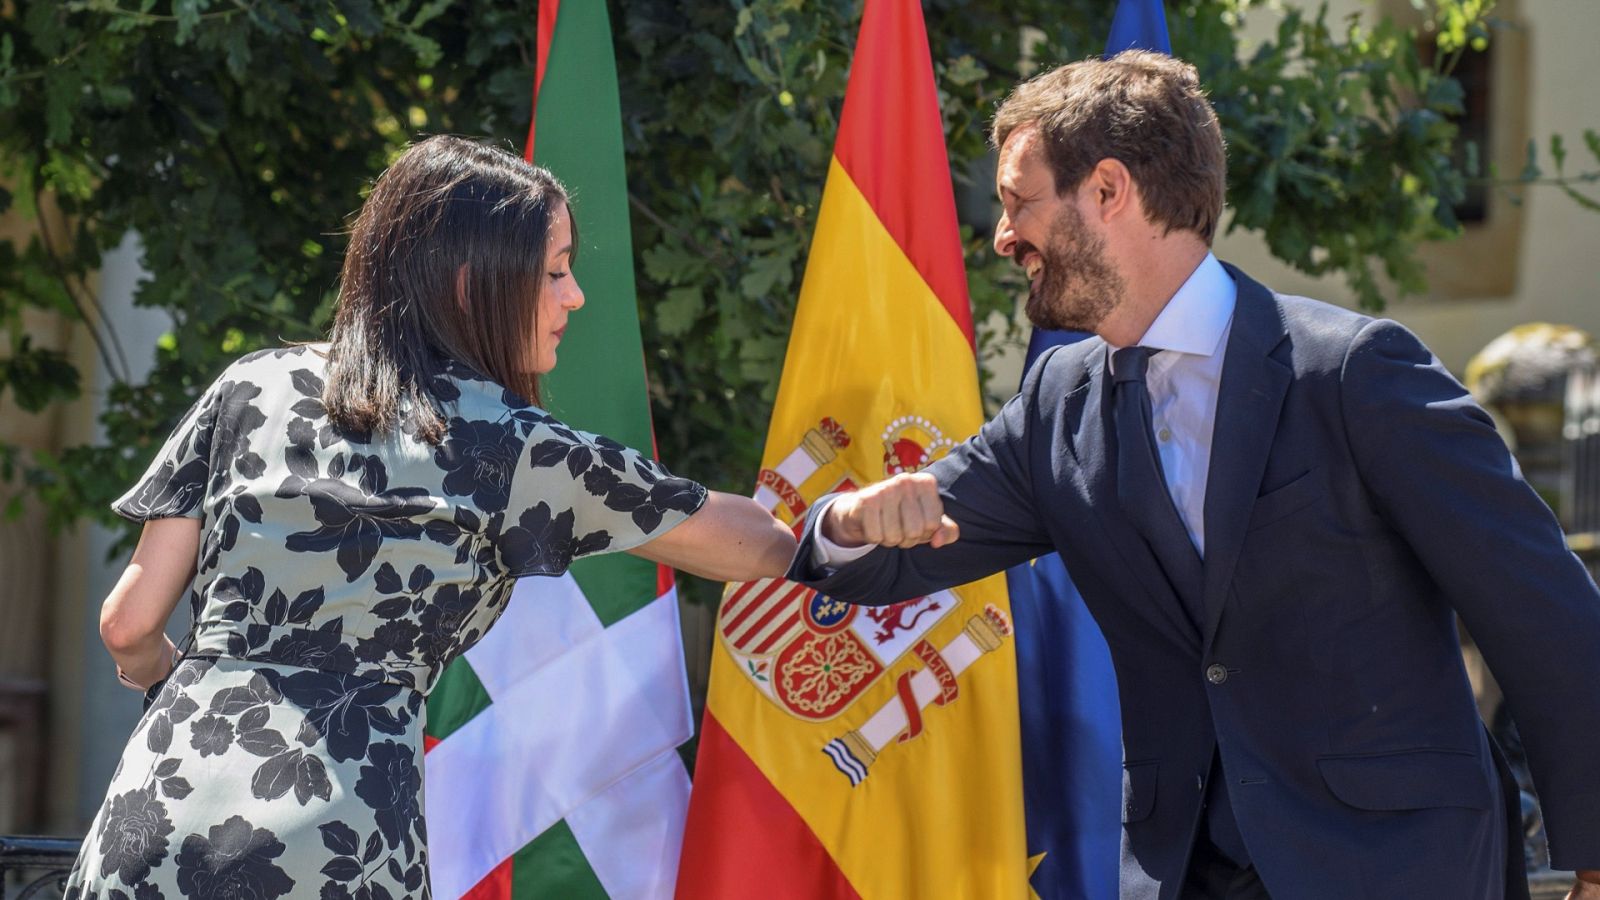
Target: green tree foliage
236, 136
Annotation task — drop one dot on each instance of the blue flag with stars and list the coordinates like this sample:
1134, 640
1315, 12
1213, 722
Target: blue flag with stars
1067, 691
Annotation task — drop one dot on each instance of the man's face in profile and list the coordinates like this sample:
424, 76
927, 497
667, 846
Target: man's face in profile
1071, 284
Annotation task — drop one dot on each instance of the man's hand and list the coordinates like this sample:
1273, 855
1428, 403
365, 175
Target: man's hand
1587, 886
903, 511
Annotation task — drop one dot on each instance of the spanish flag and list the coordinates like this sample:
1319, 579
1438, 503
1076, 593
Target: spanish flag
866, 751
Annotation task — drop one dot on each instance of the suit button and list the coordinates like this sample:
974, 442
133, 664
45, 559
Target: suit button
1216, 673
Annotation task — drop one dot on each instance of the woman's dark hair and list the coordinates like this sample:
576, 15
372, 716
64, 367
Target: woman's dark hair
445, 263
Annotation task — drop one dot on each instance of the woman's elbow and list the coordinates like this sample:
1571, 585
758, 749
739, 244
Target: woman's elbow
731, 538
768, 555
120, 633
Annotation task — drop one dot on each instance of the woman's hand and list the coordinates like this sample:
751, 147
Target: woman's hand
730, 538
133, 619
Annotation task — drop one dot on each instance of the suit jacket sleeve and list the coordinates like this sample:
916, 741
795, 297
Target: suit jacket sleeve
987, 486
1445, 481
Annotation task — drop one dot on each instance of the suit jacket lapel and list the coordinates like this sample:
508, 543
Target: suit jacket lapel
1129, 555
1249, 401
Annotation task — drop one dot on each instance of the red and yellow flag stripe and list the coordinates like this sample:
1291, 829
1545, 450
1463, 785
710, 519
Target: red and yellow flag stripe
882, 347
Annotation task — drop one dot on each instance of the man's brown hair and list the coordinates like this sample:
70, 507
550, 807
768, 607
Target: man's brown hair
1144, 109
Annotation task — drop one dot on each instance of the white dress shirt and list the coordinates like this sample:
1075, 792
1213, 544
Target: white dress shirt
1192, 333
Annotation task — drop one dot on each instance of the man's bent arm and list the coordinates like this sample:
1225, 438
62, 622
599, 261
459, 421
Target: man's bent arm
1445, 481
986, 487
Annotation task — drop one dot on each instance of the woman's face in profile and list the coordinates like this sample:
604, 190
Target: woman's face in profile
559, 296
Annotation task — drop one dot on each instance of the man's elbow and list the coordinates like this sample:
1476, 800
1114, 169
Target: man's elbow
861, 583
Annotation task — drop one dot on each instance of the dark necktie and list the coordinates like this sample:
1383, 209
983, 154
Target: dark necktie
1141, 485
1142, 492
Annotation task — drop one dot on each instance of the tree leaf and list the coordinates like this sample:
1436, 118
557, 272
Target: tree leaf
1530, 168
1583, 201
677, 312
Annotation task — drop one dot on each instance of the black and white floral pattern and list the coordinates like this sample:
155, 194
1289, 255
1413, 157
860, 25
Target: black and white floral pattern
339, 574
133, 834
233, 860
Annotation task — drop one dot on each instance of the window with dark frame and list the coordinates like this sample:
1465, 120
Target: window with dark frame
1473, 72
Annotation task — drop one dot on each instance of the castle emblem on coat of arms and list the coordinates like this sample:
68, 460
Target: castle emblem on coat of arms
813, 655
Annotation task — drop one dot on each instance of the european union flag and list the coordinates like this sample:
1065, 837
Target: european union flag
1067, 691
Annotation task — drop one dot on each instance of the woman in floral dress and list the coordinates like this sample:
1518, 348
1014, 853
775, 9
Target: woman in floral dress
345, 520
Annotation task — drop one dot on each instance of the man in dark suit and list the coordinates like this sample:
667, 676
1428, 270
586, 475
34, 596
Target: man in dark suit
1275, 509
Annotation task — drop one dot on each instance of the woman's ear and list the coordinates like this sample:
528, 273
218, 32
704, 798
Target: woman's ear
461, 288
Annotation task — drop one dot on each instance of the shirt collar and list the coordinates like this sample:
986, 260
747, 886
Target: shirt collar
1196, 318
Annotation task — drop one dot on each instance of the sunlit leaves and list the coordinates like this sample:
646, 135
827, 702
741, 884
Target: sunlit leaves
237, 139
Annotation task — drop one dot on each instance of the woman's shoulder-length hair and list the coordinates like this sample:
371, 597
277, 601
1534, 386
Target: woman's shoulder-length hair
445, 264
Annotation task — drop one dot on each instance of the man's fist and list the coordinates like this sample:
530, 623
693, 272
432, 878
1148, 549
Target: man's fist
903, 511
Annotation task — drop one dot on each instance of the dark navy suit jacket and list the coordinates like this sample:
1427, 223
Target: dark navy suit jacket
1358, 500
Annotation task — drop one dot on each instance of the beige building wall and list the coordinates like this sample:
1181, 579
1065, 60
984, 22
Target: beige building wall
1537, 261
41, 587
63, 717
1553, 259
92, 714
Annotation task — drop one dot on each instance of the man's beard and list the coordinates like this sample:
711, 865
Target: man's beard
1078, 288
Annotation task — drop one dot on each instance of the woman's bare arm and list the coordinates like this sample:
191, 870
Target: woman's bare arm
730, 538
133, 619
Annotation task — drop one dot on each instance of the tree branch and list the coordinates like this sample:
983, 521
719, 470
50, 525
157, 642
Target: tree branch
719, 258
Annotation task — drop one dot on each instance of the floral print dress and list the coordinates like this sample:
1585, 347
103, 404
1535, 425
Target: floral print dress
338, 574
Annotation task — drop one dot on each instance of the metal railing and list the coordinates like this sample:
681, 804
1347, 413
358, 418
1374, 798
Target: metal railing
48, 859
35, 866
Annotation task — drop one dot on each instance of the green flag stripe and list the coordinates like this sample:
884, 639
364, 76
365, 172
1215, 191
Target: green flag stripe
599, 380
616, 585
553, 865
456, 698
598, 383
